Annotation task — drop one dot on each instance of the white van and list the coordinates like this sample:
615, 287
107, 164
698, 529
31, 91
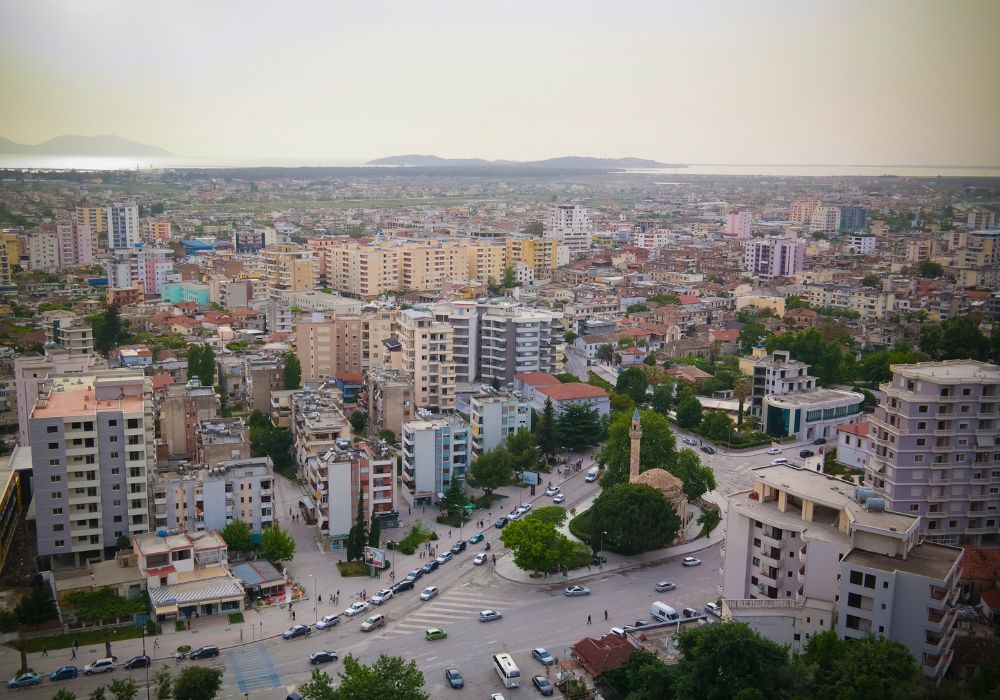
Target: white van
663, 612
592, 474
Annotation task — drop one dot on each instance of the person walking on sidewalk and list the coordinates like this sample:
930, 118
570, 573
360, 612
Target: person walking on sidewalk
605, 615
73, 655
45, 652
588, 619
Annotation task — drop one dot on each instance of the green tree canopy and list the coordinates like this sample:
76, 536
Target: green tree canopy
359, 421
689, 413
569, 337
637, 518
104, 605
605, 352
37, 607
197, 683
642, 677
663, 396
871, 280
389, 678
553, 515
163, 685
874, 367
123, 689
868, 667
545, 430
715, 425
357, 536
632, 382
667, 298
509, 281
454, 499
536, 544
277, 546
657, 448
621, 403
750, 335
958, 338
825, 358
698, 478
491, 470
238, 535
931, 270
579, 426
110, 329
636, 308
523, 450
291, 373
268, 441
63, 694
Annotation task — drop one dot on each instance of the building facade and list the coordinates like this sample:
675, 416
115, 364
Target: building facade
767, 258
494, 417
435, 451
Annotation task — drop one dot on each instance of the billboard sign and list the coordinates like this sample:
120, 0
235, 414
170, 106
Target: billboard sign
530, 478
375, 557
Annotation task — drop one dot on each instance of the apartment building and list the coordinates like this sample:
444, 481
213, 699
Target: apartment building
435, 451
364, 271
853, 218
76, 243
486, 261
774, 374
289, 268
67, 330
389, 394
863, 245
122, 221
150, 267
340, 478
979, 219
32, 371
6, 278
317, 421
194, 499
156, 230
739, 223
222, 440
802, 209
96, 219
426, 355
182, 409
810, 414
825, 219
432, 265
263, 375
327, 344
92, 449
515, 340
935, 451
806, 553
869, 304
495, 416
464, 318
43, 249
570, 226
767, 258
535, 253
251, 239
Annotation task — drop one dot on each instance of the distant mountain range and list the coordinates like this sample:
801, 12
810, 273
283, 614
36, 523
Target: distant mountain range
566, 162
72, 145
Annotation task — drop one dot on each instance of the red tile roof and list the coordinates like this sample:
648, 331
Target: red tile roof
725, 335
859, 429
161, 380
981, 564
352, 377
573, 390
689, 299
598, 656
536, 378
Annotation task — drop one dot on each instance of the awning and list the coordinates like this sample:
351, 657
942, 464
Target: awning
306, 502
166, 609
985, 440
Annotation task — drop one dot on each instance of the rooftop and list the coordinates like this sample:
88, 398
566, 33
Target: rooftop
151, 543
805, 399
950, 371
537, 378
77, 396
860, 429
573, 390
929, 559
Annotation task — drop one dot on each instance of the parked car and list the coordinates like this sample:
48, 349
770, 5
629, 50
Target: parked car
458, 547
431, 566
489, 615
381, 596
404, 585
205, 652
577, 590
434, 633
691, 561
322, 657
501, 521
552, 491
689, 441
662, 586
542, 684
415, 574
480, 559
297, 631
806, 453
99, 666
477, 538
141, 661
689, 612
373, 623
713, 609
524, 508
357, 608
514, 515
428, 593
708, 449
542, 656
63, 674
454, 678
444, 558
779, 460
559, 498
774, 451
819, 441
24, 680
328, 621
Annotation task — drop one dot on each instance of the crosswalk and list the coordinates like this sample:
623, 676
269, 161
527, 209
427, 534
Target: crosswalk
253, 668
460, 603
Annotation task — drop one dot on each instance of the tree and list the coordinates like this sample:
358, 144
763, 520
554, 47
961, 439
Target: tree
523, 450
536, 544
197, 683
104, 605
636, 308
110, 330
535, 228
874, 368
163, 685
605, 352
569, 337
825, 357
553, 515
632, 382
495, 383
642, 677
579, 426
715, 425
491, 470
741, 390
291, 373
509, 282
357, 535
621, 403
34, 610
709, 519
667, 298
545, 430
871, 280
750, 335
123, 689
931, 270
375, 533
97, 693
657, 448
358, 420
719, 661
868, 667
794, 301
318, 687
689, 413
663, 397
389, 678
63, 694
454, 499
268, 441
201, 364
276, 546
238, 535
698, 479
635, 517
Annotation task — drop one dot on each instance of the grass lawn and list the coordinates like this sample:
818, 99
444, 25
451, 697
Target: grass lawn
65, 641
236, 618
356, 568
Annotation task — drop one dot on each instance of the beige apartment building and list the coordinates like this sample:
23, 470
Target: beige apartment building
96, 218
289, 268
425, 354
485, 261
328, 344
536, 253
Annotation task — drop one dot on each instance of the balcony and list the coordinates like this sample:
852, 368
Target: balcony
766, 580
771, 542
767, 560
802, 555
801, 575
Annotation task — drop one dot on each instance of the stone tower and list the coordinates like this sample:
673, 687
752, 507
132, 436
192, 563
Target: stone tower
635, 434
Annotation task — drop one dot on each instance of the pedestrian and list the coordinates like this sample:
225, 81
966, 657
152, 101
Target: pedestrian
76, 644
156, 644
74, 653
289, 510
45, 652
319, 598
293, 616
588, 619
605, 614
409, 511
449, 534
423, 509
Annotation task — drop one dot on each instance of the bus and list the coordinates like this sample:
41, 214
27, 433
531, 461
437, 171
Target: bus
507, 670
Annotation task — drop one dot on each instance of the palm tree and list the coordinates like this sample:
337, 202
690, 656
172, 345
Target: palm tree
741, 390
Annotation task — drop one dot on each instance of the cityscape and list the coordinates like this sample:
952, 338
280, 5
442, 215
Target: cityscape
582, 404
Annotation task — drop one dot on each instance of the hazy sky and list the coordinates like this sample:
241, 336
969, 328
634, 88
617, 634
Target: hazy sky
748, 81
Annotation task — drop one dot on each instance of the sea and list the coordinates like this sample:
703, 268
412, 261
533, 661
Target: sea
99, 163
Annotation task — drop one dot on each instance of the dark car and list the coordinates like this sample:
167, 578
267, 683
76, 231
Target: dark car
501, 522
454, 678
404, 585
708, 450
205, 652
819, 441
64, 674
141, 661
322, 657
415, 574
296, 631
542, 684
806, 453
458, 547
431, 566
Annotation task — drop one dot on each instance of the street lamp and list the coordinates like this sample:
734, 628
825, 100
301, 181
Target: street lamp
600, 552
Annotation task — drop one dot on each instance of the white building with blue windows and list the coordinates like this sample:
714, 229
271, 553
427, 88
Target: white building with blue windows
808, 415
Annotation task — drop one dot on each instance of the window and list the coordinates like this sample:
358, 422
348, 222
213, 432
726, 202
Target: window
53, 445
52, 429
914, 507
853, 600
856, 578
922, 425
118, 518
921, 442
55, 478
59, 543
113, 422
113, 438
57, 511
869, 580
922, 408
918, 459
56, 494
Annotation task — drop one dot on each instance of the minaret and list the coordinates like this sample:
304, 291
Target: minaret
635, 434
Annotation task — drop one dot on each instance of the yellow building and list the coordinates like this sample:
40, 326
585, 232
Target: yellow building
14, 245
156, 229
96, 218
486, 260
289, 268
12, 503
536, 253
426, 356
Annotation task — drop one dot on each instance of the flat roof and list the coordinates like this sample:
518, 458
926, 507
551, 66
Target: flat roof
950, 371
150, 543
935, 561
801, 399
80, 400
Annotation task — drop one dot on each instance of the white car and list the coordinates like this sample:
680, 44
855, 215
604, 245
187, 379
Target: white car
713, 609
689, 441
662, 586
552, 491
514, 514
357, 608
573, 591
779, 460
774, 451
428, 593
328, 621
444, 558
99, 666
690, 561
559, 498
525, 507
480, 559
381, 596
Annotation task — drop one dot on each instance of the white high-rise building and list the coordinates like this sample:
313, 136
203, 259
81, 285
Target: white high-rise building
123, 226
767, 258
825, 219
570, 225
739, 224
